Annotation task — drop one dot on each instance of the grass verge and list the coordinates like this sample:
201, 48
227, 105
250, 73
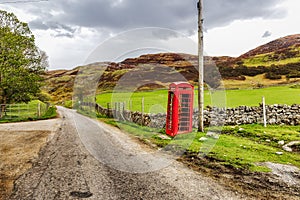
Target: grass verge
240, 147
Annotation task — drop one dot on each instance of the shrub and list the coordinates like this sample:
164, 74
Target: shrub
296, 86
50, 113
294, 75
68, 104
272, 76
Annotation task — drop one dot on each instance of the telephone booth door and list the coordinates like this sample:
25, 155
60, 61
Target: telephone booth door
180, 108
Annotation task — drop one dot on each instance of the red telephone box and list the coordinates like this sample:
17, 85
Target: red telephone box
180, 108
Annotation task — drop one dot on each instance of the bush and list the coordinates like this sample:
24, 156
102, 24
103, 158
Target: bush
68, 104
294, 75
238, 78
274, 71
272, 76
296, 86
50, 113
44, 97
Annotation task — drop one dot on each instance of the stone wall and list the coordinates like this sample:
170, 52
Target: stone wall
276, 114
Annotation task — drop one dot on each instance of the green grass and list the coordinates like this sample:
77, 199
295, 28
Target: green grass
261, 59
50, 113
241, 147
242, 152
246, 145
273, 95
266, 60
156, 101
68, 103
260, 134
27, 112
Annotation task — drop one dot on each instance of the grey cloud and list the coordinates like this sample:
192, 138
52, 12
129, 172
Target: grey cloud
138, 41
118, 15
162, 34
60, 29
57, 26
45, 25
130, 14
223, 12
69, 35
37, 24
267, 34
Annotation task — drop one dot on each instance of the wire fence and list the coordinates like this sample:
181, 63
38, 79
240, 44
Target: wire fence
22, 111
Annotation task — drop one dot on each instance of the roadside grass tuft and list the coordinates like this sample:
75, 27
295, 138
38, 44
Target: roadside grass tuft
50, 113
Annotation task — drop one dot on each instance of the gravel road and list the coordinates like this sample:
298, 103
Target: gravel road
87, 159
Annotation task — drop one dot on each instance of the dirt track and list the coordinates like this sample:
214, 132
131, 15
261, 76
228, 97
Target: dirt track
20, 144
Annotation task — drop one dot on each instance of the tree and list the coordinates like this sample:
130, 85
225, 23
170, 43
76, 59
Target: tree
20, 62
44, 59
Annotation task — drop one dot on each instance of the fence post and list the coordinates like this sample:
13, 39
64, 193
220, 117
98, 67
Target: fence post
120, 110
9, 112
264, 111
7, 109
39, 109
28, 115
143, 109
116, 110
130, 110
123, 111
124, 106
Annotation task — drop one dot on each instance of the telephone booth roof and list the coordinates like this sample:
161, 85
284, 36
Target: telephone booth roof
184, 84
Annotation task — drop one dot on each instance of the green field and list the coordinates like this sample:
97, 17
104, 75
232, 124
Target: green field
156, 101
30, 111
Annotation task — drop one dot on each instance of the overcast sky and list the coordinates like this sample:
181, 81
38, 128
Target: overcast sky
70, 30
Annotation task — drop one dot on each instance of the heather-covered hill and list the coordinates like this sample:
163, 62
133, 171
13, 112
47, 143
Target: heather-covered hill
282, 46
277, 62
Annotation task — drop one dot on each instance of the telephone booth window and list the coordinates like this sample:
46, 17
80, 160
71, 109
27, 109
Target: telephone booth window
170, 108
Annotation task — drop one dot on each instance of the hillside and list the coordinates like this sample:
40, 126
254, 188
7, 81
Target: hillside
59, 84
286, 44
282, 51
277, 62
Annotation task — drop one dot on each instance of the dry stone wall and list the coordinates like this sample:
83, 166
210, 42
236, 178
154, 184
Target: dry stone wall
276, 114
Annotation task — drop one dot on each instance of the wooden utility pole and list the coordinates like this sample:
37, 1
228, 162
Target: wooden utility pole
200, 70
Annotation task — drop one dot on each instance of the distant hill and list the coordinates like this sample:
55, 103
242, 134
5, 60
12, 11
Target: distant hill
277, 62
281, 51
280, 46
